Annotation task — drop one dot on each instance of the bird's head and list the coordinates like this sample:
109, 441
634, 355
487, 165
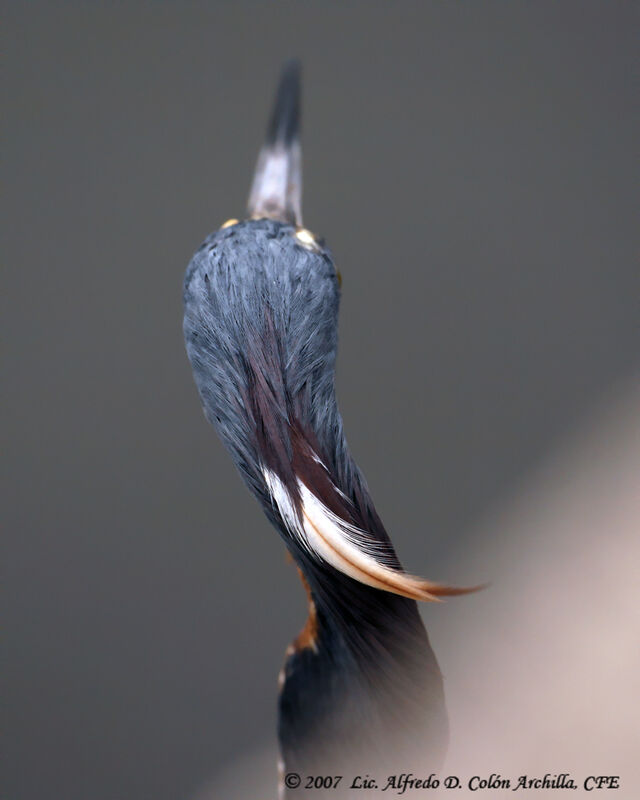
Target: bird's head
261, 303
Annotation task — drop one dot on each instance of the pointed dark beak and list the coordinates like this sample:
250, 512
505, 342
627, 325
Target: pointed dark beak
276, 191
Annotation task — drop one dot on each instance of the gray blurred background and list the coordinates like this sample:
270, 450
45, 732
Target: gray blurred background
472, 167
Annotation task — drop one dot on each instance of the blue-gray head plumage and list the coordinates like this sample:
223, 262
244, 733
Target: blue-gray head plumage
261, 310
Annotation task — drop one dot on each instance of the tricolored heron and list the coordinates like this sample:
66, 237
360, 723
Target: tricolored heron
360, 686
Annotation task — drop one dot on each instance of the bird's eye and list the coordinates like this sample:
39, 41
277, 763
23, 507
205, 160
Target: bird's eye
306, 239
229, 223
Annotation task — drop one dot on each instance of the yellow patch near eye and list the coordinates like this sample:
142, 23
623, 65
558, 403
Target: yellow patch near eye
229, 223
306, 239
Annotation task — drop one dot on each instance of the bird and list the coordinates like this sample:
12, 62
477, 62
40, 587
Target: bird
360, 688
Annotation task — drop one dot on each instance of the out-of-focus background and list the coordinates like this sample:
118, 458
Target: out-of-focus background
472, 167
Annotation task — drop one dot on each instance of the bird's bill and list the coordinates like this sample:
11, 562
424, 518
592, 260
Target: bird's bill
276, 191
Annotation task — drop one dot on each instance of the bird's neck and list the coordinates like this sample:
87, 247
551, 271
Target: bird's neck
360, 683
